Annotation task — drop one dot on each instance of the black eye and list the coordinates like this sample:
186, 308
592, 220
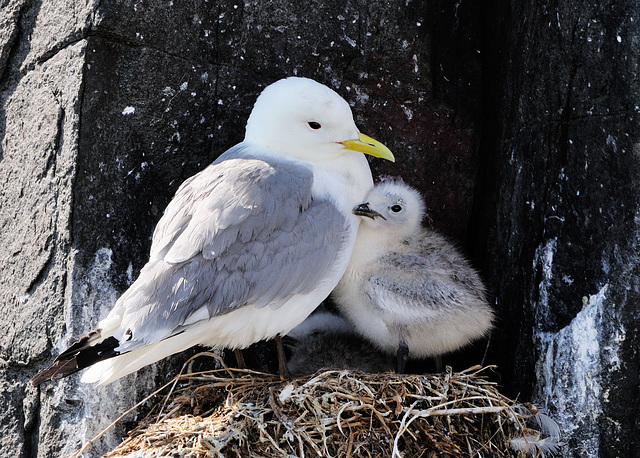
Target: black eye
314, 125
396, 208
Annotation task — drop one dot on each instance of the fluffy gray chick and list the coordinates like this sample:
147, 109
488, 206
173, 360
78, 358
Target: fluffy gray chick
408, 289
328, 341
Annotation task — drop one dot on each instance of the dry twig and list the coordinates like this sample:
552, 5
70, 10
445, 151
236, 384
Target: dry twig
334, 413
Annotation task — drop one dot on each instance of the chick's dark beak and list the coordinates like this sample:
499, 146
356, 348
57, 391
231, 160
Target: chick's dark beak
365, 210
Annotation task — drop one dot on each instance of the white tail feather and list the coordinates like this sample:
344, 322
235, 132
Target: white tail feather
112, 369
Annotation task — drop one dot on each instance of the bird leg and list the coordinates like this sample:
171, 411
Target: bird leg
282, 359
438, 361
401, 357
239, 359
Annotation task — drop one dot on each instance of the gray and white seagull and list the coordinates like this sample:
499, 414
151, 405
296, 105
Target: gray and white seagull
248, 247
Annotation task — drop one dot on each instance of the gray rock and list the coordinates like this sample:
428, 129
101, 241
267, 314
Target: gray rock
557, 216
106, 107
518, 122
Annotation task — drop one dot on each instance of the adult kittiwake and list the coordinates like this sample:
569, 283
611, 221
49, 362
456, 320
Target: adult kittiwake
248, 247
406, 288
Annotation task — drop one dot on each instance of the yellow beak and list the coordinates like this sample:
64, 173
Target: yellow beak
368, 145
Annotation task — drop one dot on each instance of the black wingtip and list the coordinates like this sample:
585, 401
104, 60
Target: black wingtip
58, 370
81, 354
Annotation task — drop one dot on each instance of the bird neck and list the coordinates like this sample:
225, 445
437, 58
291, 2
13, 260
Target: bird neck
347, 181
370, 245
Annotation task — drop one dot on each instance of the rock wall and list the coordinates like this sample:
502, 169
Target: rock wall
558, 209
106, 107
517, 122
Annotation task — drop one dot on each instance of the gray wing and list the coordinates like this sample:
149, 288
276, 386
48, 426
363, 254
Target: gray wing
432, 281
243, 231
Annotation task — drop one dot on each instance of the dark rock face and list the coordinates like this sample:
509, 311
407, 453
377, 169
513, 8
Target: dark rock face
558, 213
106, 107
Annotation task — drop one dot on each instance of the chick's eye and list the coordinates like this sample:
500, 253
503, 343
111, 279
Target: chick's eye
314, 125
396, 208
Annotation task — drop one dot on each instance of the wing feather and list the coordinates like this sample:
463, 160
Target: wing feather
429, 284
243, 231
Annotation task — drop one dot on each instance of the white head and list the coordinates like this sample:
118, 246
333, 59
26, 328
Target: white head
392, 207
307, 120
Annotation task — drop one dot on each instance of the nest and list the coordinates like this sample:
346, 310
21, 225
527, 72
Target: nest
241, 413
